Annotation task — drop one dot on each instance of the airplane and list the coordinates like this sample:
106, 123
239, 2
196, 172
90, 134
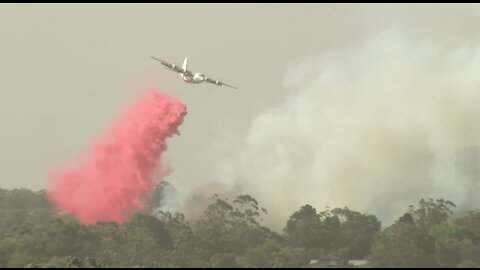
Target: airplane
190, 77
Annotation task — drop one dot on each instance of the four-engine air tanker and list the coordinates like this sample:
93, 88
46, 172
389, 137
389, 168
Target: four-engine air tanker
190, 77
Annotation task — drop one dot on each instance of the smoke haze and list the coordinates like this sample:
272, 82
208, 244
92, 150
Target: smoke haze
374, 128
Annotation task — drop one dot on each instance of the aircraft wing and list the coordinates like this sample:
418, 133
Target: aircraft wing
171, 66
219, 83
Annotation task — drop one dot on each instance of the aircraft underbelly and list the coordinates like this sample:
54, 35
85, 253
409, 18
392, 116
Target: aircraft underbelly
191, 80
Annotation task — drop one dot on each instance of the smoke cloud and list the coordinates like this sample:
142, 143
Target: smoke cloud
117, 176
374, 127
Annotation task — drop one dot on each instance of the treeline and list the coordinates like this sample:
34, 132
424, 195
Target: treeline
230, 234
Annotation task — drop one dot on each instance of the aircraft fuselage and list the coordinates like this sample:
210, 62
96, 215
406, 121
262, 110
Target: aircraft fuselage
194, 78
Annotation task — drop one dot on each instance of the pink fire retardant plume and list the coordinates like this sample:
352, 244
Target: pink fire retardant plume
118, 174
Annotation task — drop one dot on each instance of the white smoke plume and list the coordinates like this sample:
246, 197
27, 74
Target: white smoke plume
374, 127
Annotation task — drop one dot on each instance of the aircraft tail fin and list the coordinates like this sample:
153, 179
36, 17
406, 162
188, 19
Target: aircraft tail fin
184, 65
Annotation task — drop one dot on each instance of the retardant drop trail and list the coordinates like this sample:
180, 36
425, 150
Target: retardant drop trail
118, 174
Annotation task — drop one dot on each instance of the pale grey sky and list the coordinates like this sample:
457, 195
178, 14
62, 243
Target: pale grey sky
68, 70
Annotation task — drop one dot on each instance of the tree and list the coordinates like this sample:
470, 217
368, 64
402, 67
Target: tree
144, 225
223, 260
348, 232
231, 228
468, 264
303, 228
447, 239
246, 209
184, 252
470, 222
264, 254
290, 256
22, 199
431, 212
19, 260
71, 262
146, 240
63, 236
356, 233
398, 246
455, 243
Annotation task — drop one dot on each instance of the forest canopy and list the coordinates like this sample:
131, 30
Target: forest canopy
230, 233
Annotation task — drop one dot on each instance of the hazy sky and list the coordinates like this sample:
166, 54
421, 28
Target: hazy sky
68, 70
